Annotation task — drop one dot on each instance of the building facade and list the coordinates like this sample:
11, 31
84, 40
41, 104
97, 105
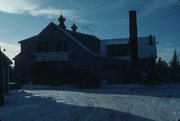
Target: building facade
4, 75
57, 55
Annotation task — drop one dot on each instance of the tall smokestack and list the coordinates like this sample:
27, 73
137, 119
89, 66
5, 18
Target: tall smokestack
133, 35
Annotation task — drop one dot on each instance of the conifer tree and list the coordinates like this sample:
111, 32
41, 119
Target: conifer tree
162, 70
152, 75
174, 67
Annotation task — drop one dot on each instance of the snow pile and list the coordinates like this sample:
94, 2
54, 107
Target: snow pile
109, 103
30, 86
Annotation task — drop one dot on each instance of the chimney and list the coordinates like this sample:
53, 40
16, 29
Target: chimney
133, 35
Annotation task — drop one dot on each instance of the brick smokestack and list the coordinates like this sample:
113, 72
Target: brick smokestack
133, 35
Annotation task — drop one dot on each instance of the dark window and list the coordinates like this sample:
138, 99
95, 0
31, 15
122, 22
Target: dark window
110, 67
61, 46
117, 50
42, 47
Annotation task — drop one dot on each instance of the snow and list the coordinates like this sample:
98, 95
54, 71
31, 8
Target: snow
108, 103
116, 41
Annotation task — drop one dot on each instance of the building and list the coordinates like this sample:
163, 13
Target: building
4, 75
120, 48
57, 55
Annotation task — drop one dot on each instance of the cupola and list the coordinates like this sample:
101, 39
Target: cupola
61, 20
74, 27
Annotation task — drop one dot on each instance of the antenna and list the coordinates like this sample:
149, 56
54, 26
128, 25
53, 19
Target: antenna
86, 27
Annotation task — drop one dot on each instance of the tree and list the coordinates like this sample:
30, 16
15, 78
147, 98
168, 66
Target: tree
151, 75
162, 70
174, 67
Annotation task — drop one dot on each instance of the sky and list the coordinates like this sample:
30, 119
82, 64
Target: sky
105, 19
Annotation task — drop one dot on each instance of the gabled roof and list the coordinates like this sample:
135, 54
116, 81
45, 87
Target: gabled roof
28, 39
82, 36
4, 59
75, 36
89, 41
68, 33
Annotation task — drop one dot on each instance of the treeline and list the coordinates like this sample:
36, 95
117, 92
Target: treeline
161, 71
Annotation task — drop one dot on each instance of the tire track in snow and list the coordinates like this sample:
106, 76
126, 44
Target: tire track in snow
93, 113
157, 113
118, 105
161, 107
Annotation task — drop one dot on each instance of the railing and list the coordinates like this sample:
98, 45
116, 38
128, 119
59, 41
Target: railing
52, 56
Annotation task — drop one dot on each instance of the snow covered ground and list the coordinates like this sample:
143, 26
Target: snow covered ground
108, 103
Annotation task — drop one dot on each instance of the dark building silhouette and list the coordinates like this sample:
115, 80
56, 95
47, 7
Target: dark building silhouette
62, 55
4, 75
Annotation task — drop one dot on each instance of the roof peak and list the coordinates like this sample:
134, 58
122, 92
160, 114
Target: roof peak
61, 20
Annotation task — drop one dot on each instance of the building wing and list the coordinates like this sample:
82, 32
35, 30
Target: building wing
146, 47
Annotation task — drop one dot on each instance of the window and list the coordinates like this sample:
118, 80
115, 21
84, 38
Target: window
117, 50
61, 46
42, 47
110, 67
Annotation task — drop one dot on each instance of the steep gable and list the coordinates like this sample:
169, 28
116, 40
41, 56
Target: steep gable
54, 32
4, 59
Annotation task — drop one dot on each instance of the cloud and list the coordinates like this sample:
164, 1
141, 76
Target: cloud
10, 50
152, 6
31, 7
49, 12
